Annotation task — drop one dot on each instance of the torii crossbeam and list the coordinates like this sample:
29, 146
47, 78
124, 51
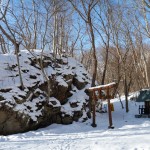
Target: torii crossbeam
107, 96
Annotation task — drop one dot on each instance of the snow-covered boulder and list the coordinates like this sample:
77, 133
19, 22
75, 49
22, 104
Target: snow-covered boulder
31, 108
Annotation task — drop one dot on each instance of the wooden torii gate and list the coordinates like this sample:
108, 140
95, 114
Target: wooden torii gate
109, 90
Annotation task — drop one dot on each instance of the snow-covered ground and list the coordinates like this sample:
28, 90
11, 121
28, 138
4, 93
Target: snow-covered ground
130, 133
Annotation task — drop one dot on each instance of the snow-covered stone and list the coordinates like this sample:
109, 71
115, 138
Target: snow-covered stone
31, 108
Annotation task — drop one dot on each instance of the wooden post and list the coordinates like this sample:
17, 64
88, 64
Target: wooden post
94, 111
109, 112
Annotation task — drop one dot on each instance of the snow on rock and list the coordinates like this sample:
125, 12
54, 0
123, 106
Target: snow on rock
28, 109
54, 102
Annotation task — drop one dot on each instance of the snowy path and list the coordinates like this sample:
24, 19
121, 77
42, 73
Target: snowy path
129, 134
109, 139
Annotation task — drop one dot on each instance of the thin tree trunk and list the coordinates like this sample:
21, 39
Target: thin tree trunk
94, 53
105, 67
126, 93
120, 100
18, 62
95, 61
34, 27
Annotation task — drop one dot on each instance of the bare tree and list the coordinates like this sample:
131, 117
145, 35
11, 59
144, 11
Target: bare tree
3, 45
86, 16
11, 37
3, 9
103, 29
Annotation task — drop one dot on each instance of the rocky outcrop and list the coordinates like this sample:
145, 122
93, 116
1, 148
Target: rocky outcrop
30, 109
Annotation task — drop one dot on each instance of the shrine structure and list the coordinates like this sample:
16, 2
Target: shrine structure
103, 92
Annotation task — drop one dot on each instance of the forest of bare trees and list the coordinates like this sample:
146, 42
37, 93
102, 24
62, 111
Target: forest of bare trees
110, 37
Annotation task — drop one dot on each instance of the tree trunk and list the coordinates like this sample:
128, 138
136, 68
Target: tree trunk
126, 93
105, 67
2, 44
45, 77
94, 52
18, 62
120, 99
34, 46
94, 59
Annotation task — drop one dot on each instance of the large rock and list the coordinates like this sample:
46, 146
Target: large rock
31, 108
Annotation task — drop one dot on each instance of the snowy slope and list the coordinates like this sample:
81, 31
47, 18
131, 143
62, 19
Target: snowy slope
130, 133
